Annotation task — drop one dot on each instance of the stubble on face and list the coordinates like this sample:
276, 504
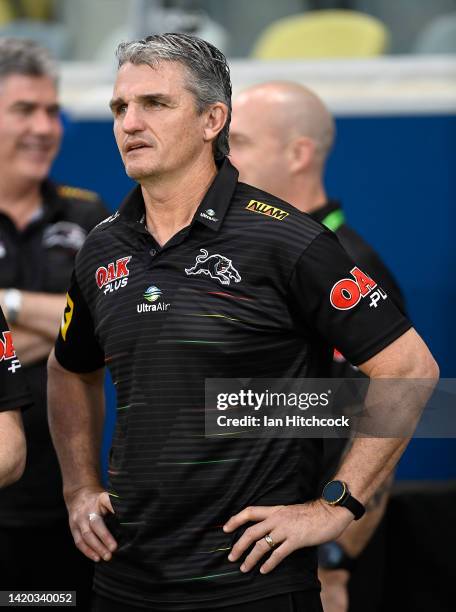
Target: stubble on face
156, 123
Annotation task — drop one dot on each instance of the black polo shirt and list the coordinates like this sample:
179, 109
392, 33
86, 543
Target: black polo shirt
41, 258
244, 291
13, 388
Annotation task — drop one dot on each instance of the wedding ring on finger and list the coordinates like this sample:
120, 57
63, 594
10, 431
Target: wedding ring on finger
93, 516
269, 541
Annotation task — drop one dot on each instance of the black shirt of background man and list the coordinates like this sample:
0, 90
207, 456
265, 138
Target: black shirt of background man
13, 388
40, 258
243, 291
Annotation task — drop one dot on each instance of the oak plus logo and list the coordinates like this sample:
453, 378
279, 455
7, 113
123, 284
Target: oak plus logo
347, 292
7, 352
113, 276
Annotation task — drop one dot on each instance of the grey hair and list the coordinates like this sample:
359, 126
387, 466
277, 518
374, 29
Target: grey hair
26, 57
209, 75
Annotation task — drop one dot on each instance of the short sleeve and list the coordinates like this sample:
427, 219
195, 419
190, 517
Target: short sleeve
14, 392
329, 293
76, 347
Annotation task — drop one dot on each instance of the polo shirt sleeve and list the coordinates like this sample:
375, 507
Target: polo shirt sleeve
14, 392
331, 295
76, 347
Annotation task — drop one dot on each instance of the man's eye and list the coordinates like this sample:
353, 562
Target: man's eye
23, 110
154, 104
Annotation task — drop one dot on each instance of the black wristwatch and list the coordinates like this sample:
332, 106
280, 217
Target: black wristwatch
332, 556
336, 493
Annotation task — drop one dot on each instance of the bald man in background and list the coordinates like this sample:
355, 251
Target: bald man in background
280, 137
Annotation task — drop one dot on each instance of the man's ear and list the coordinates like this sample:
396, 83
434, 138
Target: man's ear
302, 153
215, 119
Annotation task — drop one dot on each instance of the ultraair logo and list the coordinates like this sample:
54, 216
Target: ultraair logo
216, 266
152, 294
7, 352
209, 214
347, 292
267, 209
114, 276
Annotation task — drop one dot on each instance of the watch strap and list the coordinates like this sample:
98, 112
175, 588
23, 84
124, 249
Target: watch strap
354, 506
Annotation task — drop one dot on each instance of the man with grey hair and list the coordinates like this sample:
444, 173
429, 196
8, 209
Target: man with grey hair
42, 226
199, 276
283, 149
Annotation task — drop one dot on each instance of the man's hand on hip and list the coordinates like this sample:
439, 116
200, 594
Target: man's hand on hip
86, 508
280, 530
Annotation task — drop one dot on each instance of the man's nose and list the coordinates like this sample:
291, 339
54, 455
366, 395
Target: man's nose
132, 121
44, 123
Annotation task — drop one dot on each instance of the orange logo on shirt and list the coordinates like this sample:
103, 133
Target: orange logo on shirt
114, 276
347, 292
6, 346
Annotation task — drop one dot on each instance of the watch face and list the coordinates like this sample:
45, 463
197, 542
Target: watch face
334, 491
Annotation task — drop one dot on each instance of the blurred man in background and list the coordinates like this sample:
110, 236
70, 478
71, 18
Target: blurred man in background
13, 396
280, 137
42, 226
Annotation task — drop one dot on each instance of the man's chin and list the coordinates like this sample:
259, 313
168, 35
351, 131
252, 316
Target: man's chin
35, 172
138, 173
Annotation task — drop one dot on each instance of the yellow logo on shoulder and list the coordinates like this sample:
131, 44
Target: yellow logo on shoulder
67, 316
267, 209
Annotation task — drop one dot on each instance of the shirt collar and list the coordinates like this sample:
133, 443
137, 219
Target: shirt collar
320, 213
210, 212
216, 202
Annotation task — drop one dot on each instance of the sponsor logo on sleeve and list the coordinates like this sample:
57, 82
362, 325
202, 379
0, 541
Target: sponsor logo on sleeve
347, 292
67, 316
267, 209
216, 266
113, 276
7, 352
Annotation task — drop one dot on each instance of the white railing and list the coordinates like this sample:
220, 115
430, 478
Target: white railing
382, 86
